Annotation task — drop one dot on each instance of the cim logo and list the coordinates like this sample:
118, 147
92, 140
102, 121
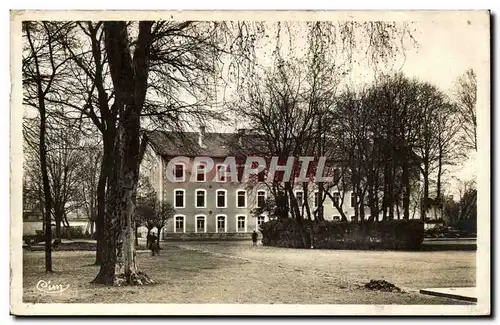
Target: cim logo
47, 287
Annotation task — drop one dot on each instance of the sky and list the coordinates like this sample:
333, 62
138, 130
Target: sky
447, 46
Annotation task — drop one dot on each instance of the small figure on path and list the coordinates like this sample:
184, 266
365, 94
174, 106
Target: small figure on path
153, 245
255, 235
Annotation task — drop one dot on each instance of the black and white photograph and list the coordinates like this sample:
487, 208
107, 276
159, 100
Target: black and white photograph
250, 163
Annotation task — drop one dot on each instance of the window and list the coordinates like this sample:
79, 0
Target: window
299, 196
221, 223
336, 199
180, 225
241, 199
201, 198
221, 199
220, 173
353, 200
179, 199
201, 225
241, 223
200, 173
261, 199
336, 218
260, 221
179, 172
316, 199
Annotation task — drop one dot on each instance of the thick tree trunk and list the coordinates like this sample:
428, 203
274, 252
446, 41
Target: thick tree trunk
101, 205
129, 78
105, 174
109, 234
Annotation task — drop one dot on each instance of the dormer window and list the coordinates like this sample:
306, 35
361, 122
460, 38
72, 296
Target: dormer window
221, 173
179, 172
201, 173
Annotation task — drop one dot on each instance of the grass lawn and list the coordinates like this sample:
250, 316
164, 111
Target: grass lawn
190, 276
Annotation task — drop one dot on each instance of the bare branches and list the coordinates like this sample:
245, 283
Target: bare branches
466, 97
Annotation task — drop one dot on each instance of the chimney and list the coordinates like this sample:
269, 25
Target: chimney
201, 136
241, 133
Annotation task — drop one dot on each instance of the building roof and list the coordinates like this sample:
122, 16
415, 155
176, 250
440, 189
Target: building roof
171, 144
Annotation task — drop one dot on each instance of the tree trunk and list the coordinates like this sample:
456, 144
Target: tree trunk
158, 239
43, 163
109, 234
136, 235
425, 195
105, 174
439, 174
306, 240
101, 206
361, 199
129, 77
406, 192
58, 227
58, 218
391, 189
148, 237
385, 198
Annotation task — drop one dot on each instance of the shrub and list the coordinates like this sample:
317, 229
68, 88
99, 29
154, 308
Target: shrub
394, 234
74, 232
281, 233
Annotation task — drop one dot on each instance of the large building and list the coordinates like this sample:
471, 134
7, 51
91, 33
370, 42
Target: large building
208, 204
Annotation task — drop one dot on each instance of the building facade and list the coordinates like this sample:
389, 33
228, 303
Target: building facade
208, 204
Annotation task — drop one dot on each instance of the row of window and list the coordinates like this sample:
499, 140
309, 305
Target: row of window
220, 226
220, 198
241, 198
201, 173
221, 169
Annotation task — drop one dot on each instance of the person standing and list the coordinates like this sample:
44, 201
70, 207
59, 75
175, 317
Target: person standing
153, 244
255, 236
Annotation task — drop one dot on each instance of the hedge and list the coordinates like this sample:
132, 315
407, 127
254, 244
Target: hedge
393, 234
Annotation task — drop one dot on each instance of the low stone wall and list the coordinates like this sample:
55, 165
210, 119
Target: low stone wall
206, 236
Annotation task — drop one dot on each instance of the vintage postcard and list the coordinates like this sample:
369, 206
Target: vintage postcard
250, 163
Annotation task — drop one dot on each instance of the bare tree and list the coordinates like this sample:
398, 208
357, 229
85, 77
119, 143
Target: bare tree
466, 93
43, 66
89, 180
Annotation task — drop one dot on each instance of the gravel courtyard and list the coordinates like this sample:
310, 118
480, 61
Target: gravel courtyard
240, 273
413, 270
